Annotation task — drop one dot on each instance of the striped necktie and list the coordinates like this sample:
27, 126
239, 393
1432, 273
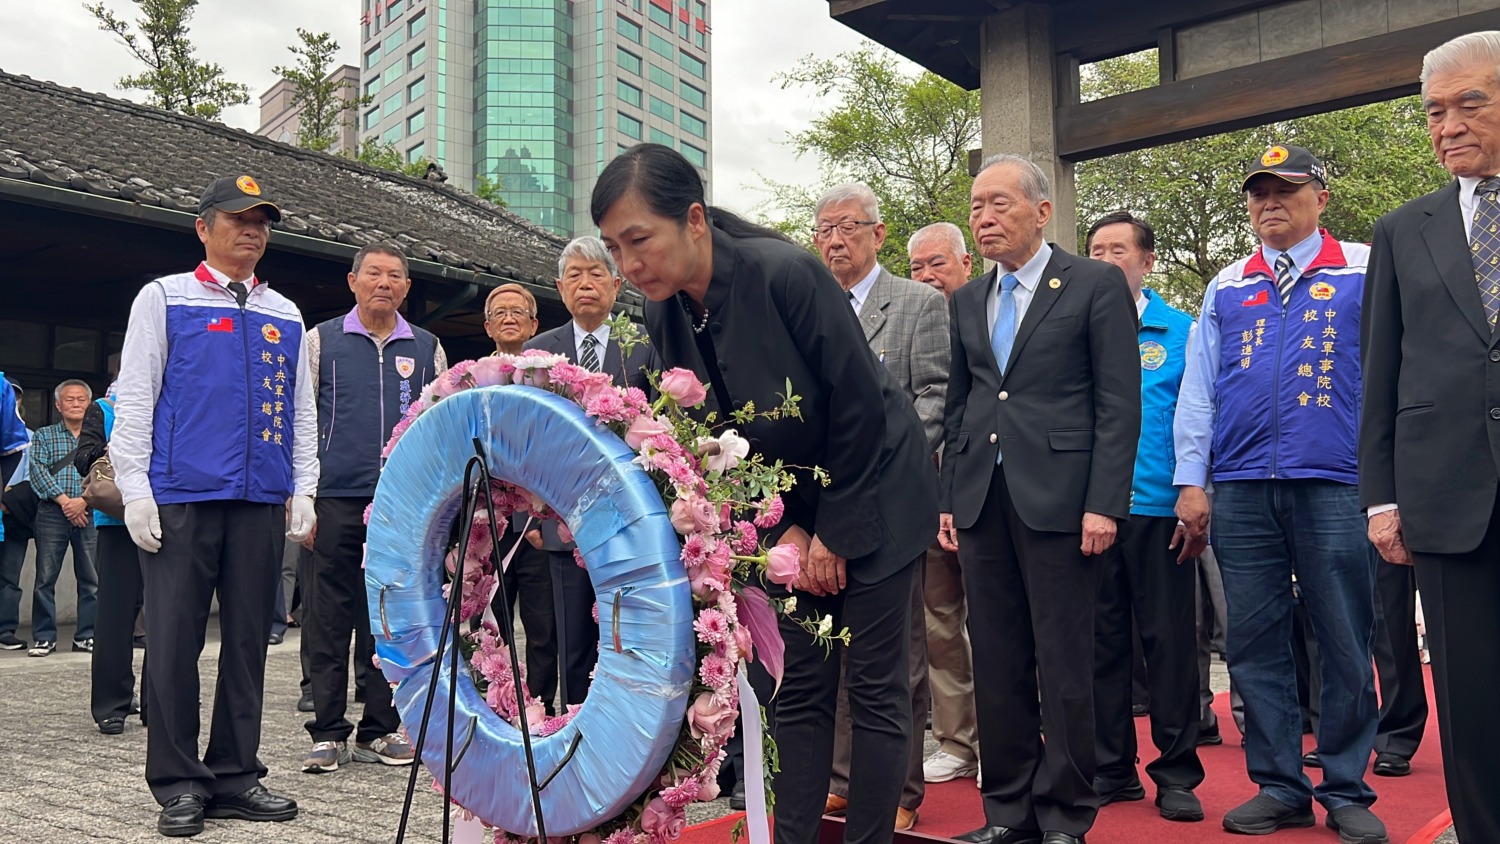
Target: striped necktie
1484, 246
1285, 281
589, 357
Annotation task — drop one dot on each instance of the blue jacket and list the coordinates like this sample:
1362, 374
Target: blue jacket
1163, 336
1273, 392
364, 389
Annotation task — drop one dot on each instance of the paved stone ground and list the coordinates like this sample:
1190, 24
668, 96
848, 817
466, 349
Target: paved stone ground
65, 783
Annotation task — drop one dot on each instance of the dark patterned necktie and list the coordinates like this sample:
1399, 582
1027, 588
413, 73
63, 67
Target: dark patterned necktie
589, 357
1285, 281
239, 291
1484, 246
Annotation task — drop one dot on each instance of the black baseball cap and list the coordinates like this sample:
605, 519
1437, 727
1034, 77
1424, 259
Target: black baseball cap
235, 194
1293, 164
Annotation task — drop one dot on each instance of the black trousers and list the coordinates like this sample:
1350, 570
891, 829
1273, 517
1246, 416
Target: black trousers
334, 607
112, 673
877, 674
577, 632
528, 583
1142, 579
1459, 595
1398, 662
232, 549
1031, 625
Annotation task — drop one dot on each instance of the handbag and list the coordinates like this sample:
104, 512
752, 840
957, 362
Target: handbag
21, 500
99, 490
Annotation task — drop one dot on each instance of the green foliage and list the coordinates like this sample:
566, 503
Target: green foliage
175, 79
1377, 157
327, 105
385, 156
906, 136
489, 190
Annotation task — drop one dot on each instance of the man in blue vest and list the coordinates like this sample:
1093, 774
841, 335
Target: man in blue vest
369, 365
216, 431
1269, 412
1143, 577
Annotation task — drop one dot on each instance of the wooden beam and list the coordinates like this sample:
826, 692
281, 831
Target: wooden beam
1359, 72
1128, 27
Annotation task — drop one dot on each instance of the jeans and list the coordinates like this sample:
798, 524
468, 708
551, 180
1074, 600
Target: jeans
12, 560
54, 534
1266, 532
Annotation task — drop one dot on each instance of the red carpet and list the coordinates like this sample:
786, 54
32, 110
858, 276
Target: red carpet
1414, 808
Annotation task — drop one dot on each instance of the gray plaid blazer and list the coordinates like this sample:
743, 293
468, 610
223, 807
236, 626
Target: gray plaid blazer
906, 324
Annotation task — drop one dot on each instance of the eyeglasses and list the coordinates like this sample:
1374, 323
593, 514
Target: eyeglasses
518, 313
846, 228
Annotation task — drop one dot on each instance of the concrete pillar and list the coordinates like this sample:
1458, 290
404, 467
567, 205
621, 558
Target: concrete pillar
1018, 91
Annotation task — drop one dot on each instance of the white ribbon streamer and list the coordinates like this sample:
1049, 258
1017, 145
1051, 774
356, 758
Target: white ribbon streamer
755, 764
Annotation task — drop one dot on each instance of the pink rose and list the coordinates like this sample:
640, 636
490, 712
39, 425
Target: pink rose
743, 642
643, 428
783, 563
694, 514
708, 717
683, 387
662, 822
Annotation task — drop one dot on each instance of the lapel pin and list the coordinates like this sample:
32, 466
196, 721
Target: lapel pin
1055, 283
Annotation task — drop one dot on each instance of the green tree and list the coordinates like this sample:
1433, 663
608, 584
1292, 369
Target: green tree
489, 190
175, 79
385, 156
905, 135
327, 105
1377, 157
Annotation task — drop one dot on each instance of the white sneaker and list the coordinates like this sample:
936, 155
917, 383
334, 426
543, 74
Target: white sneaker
943, 767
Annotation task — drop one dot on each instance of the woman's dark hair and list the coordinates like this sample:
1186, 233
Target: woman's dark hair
669, 185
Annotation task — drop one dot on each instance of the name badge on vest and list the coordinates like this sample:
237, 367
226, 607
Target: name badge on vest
405, 366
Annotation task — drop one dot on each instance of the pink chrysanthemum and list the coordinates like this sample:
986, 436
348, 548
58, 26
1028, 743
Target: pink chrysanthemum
770, 513
712, 627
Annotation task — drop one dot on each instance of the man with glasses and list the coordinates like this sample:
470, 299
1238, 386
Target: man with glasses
589, 283
907, 329
510, 318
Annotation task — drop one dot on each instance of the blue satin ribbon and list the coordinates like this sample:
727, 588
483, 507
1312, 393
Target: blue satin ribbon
636, 704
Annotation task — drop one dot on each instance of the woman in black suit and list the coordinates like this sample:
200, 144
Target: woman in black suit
747, 311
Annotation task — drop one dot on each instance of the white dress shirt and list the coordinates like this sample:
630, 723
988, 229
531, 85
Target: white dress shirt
861, 291
1029, 276
601, 334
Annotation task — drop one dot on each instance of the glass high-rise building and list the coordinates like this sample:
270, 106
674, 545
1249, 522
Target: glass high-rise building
537, 95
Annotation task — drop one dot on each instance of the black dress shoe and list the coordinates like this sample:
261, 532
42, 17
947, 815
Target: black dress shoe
1178, 804
253, 804
1000, 835
1311, 759
181, 816
1391, 765
305, 703
1118, 791
276, 639
1061, 838
737, 797
1210, 738
112, 726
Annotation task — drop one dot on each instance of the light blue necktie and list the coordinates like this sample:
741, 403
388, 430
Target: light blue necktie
1004, 336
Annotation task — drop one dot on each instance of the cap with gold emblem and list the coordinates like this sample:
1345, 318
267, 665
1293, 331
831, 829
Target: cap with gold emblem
1294, 164
235, 194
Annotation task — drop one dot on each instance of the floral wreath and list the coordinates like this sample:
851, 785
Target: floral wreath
720, 499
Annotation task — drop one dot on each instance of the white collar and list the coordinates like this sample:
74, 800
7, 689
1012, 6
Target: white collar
601, 334
861, 291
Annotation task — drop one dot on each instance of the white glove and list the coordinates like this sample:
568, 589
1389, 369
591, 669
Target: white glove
143, 521
302, 520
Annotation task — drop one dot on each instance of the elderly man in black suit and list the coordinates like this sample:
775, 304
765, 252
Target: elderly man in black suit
1429, 439
1043, 417
589, 283
905, 324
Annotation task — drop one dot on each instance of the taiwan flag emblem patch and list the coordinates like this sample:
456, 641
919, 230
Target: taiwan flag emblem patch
1261, 298
223, 324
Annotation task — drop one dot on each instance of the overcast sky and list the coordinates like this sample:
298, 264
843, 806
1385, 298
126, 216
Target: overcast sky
56, 40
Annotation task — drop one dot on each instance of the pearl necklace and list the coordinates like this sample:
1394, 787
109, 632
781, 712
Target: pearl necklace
688, 308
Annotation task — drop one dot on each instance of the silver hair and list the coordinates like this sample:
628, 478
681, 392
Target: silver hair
869, 204
1033, 181
947, 233
587, 248
1463, 51
71, 382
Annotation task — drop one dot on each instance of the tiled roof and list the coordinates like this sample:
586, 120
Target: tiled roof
75, 140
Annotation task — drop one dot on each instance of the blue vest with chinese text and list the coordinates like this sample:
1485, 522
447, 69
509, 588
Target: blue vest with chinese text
1288, 389
224, 417
363, 391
